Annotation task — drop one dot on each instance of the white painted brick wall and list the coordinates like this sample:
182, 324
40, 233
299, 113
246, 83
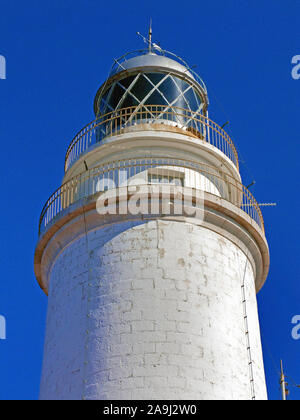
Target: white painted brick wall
151, 311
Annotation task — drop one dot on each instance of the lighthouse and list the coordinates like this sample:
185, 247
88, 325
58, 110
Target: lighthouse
152, 250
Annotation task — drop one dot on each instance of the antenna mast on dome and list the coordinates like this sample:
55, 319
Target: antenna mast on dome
150, 35
151, 45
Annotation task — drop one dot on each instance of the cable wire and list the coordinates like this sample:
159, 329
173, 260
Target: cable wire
241, 158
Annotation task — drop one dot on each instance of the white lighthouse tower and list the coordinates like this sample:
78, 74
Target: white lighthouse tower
152, 250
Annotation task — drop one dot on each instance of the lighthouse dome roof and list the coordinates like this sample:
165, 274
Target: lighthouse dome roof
151, 59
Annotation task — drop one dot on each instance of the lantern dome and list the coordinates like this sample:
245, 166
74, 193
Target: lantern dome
149, 78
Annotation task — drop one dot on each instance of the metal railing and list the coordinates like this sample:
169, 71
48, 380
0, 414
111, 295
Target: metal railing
150, 170
120, 121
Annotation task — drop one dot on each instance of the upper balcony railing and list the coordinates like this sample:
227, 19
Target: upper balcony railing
126, 119
149, 171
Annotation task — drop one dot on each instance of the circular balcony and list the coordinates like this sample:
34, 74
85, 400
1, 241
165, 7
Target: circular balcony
150, 171
173, 119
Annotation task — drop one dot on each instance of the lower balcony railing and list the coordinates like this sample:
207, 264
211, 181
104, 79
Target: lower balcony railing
149, 171
122, 120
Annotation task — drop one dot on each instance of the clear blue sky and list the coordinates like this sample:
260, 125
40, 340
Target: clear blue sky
58, 53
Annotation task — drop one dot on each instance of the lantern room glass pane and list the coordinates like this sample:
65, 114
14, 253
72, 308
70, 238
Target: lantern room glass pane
155, 77
156, 99
172, 91
169, 90
116, 95
182, 85
127, 81
129, 101
141, 88
191, 100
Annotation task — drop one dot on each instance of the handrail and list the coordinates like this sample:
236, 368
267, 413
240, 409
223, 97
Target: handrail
119, 121
91, 182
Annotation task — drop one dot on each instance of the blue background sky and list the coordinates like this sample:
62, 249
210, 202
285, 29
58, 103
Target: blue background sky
59, 52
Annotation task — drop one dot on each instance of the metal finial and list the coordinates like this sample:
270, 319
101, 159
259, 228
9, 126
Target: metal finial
151, 45
150, 35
